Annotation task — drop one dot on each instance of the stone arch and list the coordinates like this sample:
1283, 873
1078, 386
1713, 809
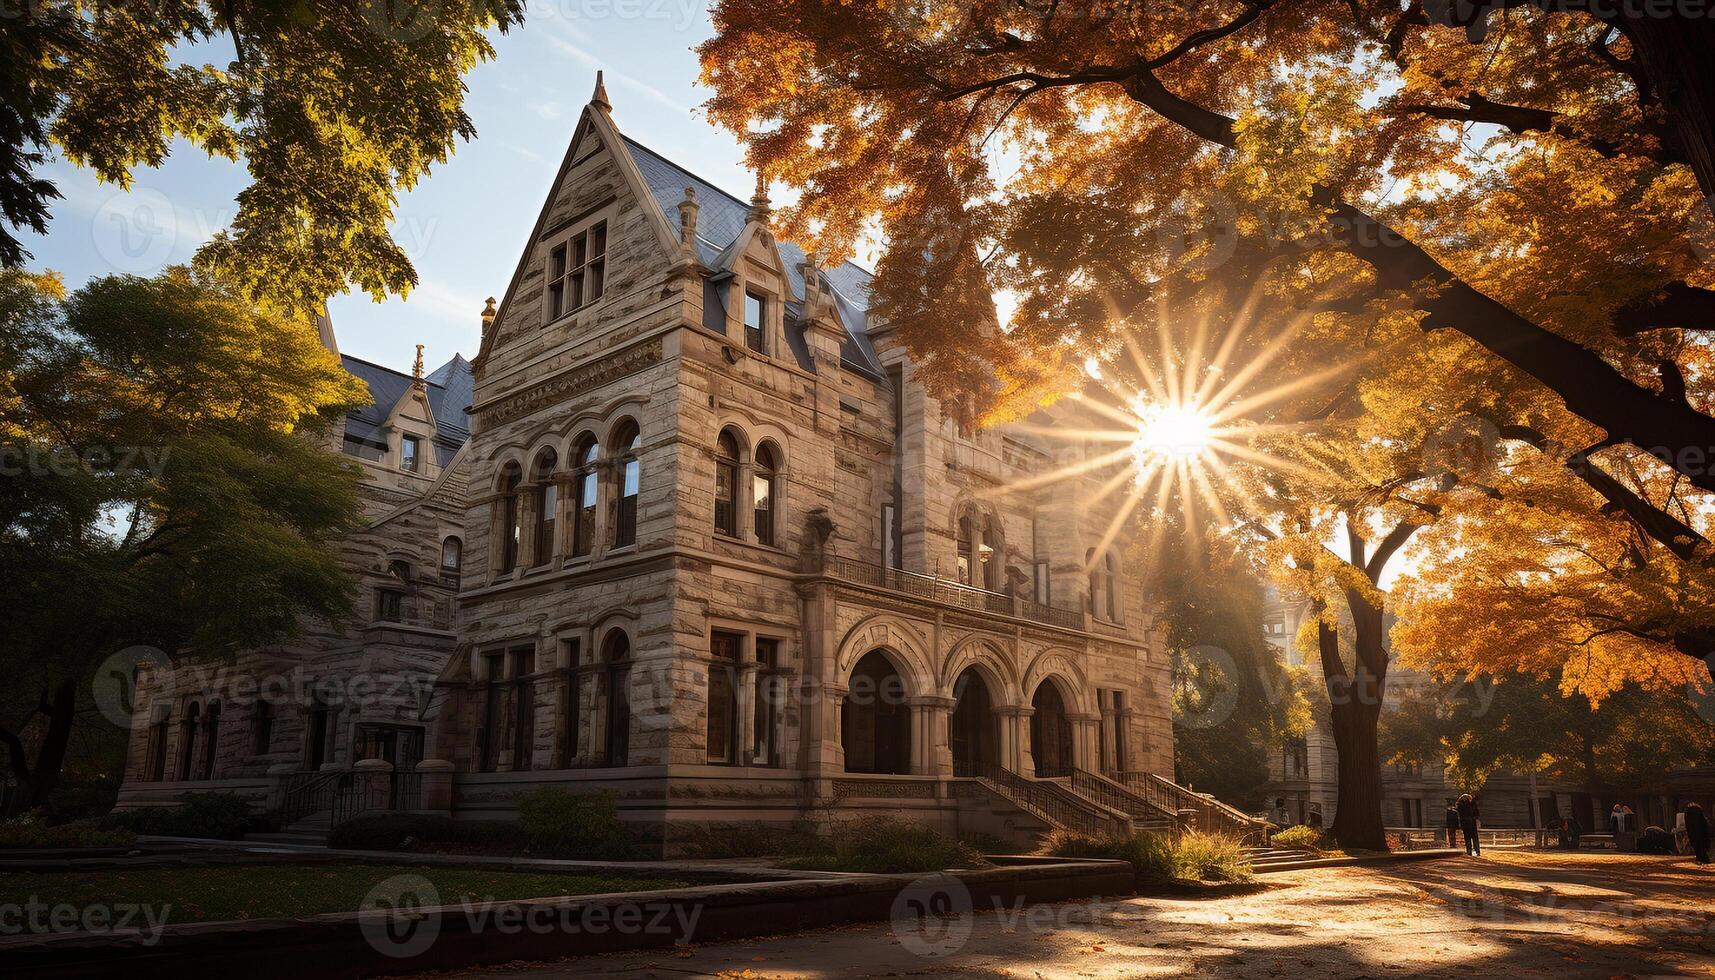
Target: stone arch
996, 663
1058, 666
902, 644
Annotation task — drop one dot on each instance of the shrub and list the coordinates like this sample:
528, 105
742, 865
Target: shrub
884, 845
1300, 838
82, 799
422, 832
583, 826
221, 816
1159, 858
712, 841
32, 830
988, 843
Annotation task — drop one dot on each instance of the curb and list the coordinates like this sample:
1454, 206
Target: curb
1362, 860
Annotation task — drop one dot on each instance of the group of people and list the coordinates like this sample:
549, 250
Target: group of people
1464, 818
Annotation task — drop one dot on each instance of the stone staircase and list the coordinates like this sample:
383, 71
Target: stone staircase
311, 831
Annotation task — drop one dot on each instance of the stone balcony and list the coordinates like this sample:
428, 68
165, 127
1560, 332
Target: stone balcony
946, 592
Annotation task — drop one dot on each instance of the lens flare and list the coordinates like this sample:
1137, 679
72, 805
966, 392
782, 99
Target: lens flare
1176, 431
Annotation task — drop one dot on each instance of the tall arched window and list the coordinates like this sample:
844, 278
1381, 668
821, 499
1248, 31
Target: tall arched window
762, 485
158, 747
583, 509
965, 556
211, 741
630, 443
452, 559
510, 478
1110, 581
726, 483
616, 653
992, 555
188, 739
547, 506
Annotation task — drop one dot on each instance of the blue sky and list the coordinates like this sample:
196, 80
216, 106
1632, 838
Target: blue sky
465, 225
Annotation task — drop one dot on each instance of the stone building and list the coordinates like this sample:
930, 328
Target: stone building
687, 528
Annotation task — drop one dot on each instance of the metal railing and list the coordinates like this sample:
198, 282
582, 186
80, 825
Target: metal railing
947, 592
1052, 803
1116, 796
372, 792
308, 793
1206, 813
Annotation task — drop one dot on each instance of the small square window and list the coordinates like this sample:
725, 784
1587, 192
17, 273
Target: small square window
410, 454
755, 323
389, 606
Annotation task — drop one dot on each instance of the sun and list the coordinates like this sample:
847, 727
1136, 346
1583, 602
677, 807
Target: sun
1173, 430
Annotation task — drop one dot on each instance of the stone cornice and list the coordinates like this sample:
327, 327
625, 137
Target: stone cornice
569, 383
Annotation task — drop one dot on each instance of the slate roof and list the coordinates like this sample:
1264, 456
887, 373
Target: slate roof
449, 388
720, 220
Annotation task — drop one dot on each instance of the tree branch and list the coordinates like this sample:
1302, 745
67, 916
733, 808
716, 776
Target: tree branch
1676, 305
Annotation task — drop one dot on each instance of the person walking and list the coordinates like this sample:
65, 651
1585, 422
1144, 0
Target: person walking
1452, 823
1468, 818
1697, 830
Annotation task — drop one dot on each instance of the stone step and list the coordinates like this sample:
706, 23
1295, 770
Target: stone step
302, 838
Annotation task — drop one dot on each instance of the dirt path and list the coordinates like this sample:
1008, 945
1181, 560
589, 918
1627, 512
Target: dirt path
1512, 914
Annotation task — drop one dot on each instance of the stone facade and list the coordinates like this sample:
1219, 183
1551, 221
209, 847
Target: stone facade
718, 551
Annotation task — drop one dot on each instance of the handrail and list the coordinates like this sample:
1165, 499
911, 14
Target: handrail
307, 793
1112, 794
947, 591
1052, 803
1213, 816
369, 792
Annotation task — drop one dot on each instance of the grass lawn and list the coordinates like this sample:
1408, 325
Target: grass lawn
217, 894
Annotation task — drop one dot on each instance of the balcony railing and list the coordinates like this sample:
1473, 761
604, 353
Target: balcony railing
947, 592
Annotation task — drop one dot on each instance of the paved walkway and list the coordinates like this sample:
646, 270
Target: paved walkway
1514, 914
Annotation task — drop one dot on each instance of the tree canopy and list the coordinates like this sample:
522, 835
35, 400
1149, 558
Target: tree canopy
334, 108
167, 483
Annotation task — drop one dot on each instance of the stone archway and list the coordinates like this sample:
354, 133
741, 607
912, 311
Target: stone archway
875, 721
1051, 738
975, 728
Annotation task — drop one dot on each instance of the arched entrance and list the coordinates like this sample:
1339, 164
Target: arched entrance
975, 731
874, 719
1050, 732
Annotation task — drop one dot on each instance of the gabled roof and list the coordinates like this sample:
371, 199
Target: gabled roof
449, 391
720, 221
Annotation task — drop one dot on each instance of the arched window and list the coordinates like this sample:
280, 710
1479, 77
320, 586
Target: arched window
211, 741
547, 506
630, 443
992, 555
726, 483
158, 747
762, 485
510, 478
262, 727
616, 654
1111, 578
452, 559
583, 508
965, 555
188, 739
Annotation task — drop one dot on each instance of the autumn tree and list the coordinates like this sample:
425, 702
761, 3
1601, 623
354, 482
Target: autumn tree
334, 108
164, 482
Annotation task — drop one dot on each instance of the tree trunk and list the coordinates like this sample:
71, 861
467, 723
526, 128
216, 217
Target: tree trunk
1355, 707
1676, 55
37, 781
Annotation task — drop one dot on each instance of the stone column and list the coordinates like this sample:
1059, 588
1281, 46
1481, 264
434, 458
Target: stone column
1026, 757
437, 793
931, 750
1086, 729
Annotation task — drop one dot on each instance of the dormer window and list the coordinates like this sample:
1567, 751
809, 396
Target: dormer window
410, 454
577, 270
756, 322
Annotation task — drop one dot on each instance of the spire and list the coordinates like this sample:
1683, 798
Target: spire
417, 369
324, 329
759, 209
688, 209
599, 97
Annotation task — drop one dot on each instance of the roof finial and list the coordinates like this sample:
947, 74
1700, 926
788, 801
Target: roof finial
600, 95
488, 314
759, 208
417, 368
688, 209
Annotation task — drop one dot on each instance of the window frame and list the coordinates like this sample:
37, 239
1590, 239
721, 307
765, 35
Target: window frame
765, 495
727, 467
411, 453
755, 336
574, 273
586, 496
629, 477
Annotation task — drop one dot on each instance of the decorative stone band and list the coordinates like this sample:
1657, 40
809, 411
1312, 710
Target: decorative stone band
570, 383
